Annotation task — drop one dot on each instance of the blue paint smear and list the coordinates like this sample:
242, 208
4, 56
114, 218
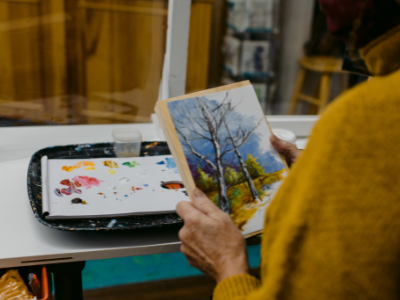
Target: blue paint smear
117, 271
126, 196
112, 223
118, 199
171, 164
146, 185
161, 163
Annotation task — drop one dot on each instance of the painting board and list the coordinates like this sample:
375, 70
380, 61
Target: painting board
109, 187
251, 106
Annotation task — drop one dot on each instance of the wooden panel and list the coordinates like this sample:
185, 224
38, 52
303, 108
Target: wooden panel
6, 66
32, 60
199, 46
124, 54
20, 79
53, 58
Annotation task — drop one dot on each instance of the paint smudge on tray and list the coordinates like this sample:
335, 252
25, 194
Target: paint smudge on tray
87, 181
131, 164
66, 191
115, 193
65, 182
112, 223
145, 185
126, 196
123, 180
111, 172
101, 194
136, 188
161, 163
112, 187
87, 164
171, 164
151, 145
58, 192
110, 163
78, 201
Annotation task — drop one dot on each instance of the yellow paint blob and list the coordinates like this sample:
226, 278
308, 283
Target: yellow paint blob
68, 169
110, 163
90, 166
111, 171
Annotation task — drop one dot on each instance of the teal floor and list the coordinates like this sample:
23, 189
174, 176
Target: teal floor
125, 270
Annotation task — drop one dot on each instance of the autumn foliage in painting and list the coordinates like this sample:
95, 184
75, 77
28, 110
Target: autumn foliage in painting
241, 200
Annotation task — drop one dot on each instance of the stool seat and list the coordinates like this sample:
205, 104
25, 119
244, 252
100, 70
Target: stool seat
323, 64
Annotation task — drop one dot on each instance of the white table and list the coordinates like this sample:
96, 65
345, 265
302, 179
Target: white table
25, 241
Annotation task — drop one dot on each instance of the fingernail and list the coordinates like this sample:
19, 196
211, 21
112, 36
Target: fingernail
198, 193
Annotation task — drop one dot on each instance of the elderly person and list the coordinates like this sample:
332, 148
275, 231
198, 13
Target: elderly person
333, 229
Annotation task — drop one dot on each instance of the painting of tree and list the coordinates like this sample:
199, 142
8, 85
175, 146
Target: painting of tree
225, 141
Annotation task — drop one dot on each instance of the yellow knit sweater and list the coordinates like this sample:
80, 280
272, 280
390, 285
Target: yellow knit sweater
333, 229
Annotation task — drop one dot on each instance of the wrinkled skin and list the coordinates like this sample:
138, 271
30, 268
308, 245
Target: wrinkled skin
211, 241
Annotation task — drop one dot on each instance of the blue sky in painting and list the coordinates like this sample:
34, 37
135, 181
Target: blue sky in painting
257, 144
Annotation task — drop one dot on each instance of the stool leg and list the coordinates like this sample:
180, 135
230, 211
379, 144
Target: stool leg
324, 91
297, 91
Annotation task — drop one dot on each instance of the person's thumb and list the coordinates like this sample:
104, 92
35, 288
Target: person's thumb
203, 203
288, 150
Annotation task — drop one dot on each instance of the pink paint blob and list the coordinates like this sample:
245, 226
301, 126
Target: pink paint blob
86, 181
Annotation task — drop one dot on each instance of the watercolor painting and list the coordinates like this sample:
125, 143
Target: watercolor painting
225, 139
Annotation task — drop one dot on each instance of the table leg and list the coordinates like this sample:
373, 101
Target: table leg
68, 280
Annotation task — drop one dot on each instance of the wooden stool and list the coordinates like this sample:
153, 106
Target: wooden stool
325, 65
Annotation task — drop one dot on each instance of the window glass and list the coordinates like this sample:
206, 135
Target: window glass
80, 61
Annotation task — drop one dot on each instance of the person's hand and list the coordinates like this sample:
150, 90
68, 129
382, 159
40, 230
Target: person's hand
288, 150
211, 241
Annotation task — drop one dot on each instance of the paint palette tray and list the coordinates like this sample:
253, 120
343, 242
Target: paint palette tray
85, 151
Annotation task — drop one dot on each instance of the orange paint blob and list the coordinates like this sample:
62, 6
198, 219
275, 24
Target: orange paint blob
90, 166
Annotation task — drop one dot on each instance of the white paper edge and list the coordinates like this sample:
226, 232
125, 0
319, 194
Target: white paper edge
45, 188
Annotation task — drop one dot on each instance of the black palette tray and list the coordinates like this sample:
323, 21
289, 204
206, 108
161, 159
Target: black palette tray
101, 150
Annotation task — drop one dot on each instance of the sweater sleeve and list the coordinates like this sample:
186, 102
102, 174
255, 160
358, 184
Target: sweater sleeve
332, 230
236, 287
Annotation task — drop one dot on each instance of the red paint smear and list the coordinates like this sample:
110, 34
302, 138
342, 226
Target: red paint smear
77, 184
66, 192
65, 182
100, 193
138, 189
87, 181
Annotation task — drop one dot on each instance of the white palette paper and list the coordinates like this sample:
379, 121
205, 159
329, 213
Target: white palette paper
132, 188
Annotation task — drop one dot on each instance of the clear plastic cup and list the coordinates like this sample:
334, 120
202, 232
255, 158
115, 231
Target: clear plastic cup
285, 135
127, 142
